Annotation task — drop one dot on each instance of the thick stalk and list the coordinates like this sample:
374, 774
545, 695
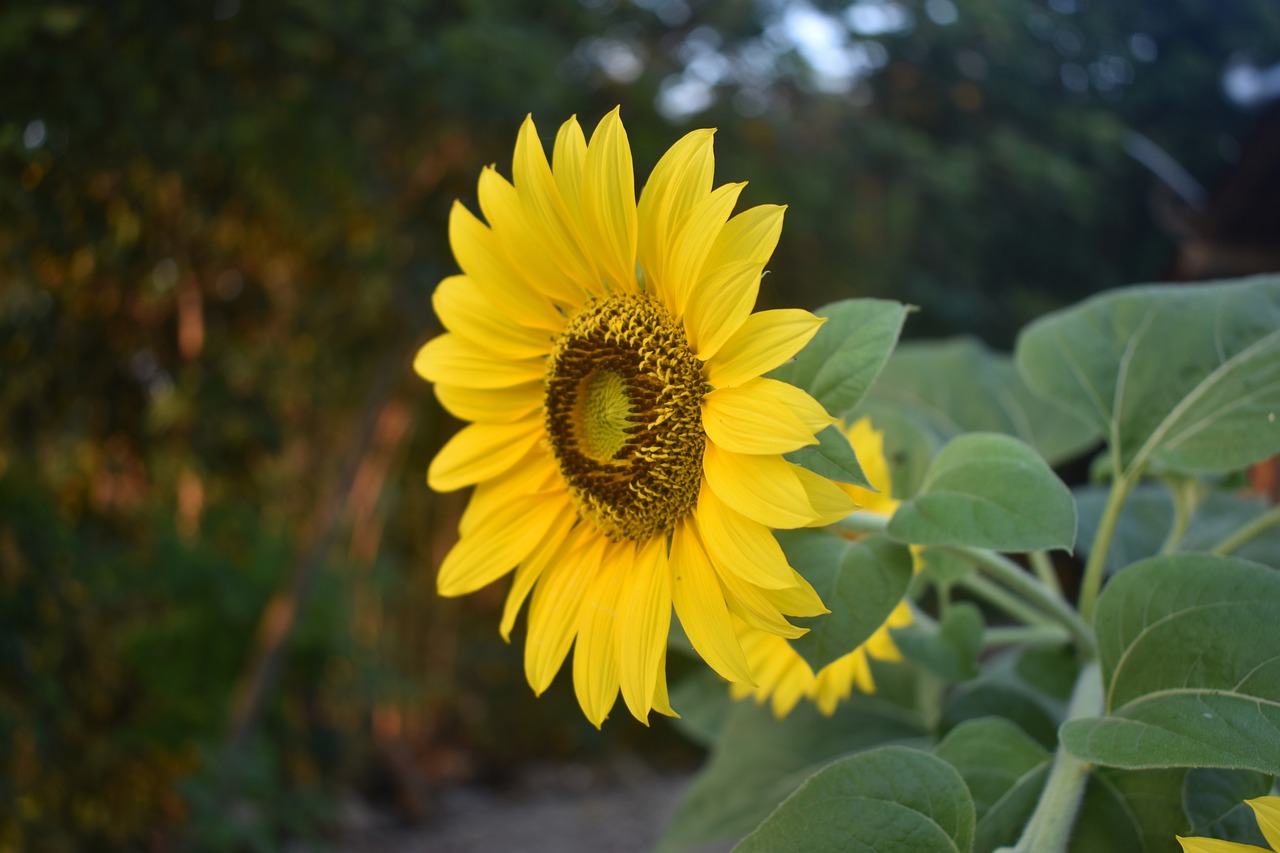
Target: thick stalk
1011, 604
1049, 829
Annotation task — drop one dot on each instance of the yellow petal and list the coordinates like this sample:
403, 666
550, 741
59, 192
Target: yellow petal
693, 241
740, 546
609, 202
482, 258
546, 212
763, 488
481, 451
752, 235
567, 164
595, 661
830, 502
785, 395
553, 613
490, 405
680, 179
868, 445
463, 310
765, 340
644, 620
531, 568
661, 699
453, 360
748, 418
1267, 811
749, 604
496, 545
519, 239
699, 602
720, 302
1213, 845
535, 474
800, 599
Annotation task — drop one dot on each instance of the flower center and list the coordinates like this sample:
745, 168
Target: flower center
624, 416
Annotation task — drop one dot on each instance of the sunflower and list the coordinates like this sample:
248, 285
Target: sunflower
1267, 812
625, 447
781, 674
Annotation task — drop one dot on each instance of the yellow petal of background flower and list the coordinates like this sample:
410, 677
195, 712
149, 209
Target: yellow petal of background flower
546, 211
465, 312
749, 419
739, 545
763, 488
1267, 811
453, 360
609, 203
496, 545
490, 405
481, 451
644, 620
1213, 845
694, 236
553, 613
481, 256
518, 237
530, 569
765, 340
595, 661
678, 181
868, 444
719, 304
752, 235
699, 602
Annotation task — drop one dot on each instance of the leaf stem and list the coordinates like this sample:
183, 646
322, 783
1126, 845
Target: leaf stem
1034, 635
1183, 492
1247, 532
1093, 569
993, 593
1042, 565
1050, 826
1011, 575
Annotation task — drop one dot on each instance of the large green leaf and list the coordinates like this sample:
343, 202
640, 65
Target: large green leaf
887, 800
1005, 771
832, 457
1130, 811
988, 491
844, 358
1184, 375
960, 386
758, 760
860, 580
1191, 663
1026, 687
1214, 800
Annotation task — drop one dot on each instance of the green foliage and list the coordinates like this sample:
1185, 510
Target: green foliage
861, 581
889, 800
950, 648
988, 491
1189, 654
832, 457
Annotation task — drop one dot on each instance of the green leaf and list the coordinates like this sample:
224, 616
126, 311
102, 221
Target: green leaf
1034, 704
960, 386
887, 800
949, 650
860, 580
703, 700
1214, 802
1128, 811
844, 358
988, 491
832, 457
1187, 376
1005, 771
759, 760
1191, 663
944, 568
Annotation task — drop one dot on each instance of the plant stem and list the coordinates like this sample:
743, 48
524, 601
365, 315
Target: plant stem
1183, 492
1050, 826
861, 522
1012, 575
1249, 531
1043, 567
995, 594
1093, 570
1036, 635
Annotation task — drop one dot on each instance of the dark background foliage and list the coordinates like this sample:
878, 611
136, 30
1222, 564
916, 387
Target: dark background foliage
221, 224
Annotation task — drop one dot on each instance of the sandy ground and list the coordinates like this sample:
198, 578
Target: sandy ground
549, 809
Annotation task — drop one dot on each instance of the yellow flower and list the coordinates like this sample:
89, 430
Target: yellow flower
625, 449
1265, 809
781, 674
